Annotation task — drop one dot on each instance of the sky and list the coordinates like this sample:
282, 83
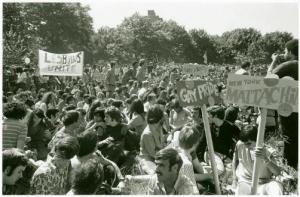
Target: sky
214, 16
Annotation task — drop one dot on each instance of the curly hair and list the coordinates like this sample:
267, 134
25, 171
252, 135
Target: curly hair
13, 158
87, 177
114, 113
14, 110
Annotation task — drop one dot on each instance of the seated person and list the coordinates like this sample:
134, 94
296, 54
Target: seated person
179, 116
152, 139
87, 146
167, 180
86, 178
14, 163
188, 141
243, 162
226, 133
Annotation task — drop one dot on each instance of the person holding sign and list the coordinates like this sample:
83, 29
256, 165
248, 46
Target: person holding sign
289, 125
242, 166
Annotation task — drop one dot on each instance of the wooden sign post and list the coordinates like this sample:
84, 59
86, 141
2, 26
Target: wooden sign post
266, 93
210, 147
200, 93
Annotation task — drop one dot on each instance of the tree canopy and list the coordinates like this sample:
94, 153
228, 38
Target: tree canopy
67, 27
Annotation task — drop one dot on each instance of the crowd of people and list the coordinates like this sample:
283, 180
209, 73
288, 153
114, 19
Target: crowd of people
89, 136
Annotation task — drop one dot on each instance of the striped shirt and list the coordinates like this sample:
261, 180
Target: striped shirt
13, 131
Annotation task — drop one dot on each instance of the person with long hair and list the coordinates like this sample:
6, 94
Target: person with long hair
137, 120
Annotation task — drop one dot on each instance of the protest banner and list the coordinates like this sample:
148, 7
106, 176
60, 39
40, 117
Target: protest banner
70, 64
200, 93
195, 69
267, 93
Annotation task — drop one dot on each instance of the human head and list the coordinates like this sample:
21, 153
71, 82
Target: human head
52, 114
168, 163
231, 114
176, 105
14, 163
245, 65
291, 49
66, 148
189, 138
155, 114
197, 114
87, 142
113, 116
151, 98
248, 135
71, 117
216, 115
14, 110
87, 177
99, 114
70, 100
137, 106
48, 97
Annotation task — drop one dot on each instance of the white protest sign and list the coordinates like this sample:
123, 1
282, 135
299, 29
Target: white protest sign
70, 64
267, 93
196, 69
270, 93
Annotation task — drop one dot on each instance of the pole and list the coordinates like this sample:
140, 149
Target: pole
259, 143
210, 149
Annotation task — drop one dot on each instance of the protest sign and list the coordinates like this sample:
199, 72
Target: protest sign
200, 93
270, 93
196, 69
70, 64
197, 92
267, 93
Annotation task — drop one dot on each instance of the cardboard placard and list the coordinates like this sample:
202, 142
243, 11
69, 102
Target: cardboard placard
197, 93
270, 93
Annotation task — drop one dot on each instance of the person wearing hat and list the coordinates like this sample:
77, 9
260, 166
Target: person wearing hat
289, 125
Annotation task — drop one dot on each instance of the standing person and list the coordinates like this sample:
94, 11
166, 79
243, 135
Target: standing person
110, 80
289, 125
14, 131
52, 176
141, 71
14, 163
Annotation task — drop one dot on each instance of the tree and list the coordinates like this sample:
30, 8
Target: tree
55, 27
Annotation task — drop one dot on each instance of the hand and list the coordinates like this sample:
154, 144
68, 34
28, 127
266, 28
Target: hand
275, 57
260, 152
123, 189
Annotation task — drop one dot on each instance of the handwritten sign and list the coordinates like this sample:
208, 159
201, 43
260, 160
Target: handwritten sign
70, 64
196, 69
197, 92
270, 93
